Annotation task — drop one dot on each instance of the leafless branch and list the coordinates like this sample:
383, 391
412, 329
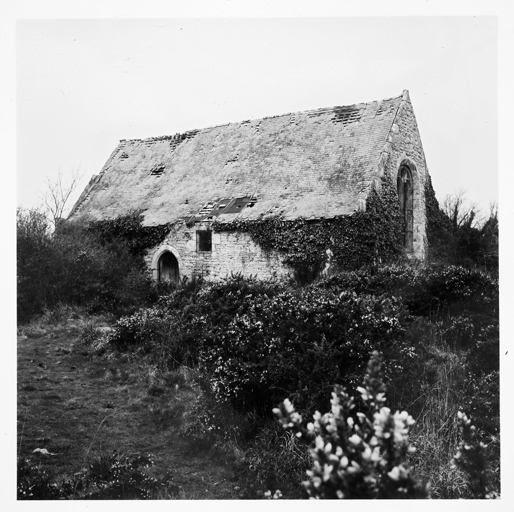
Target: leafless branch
460, 211
57, 195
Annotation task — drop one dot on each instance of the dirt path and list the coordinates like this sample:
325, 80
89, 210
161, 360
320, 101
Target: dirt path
78, 405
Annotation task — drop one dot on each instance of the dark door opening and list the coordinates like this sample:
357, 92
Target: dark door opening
168, 268
406, 206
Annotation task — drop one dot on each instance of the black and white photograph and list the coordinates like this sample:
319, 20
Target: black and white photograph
257, 254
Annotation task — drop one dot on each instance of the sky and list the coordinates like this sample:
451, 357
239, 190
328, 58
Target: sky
84, 84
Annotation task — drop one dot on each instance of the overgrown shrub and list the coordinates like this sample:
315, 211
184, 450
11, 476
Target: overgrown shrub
178, 326
36, 483
260, 342
472, 458
34, 255
454, 235
98, 265
109, 477
437, 290
276, 459
115, 477
298, 346
357, 455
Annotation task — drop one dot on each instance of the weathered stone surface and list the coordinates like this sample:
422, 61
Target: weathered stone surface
232, 253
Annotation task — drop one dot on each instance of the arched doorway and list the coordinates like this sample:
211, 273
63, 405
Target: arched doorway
168, 268
405, 194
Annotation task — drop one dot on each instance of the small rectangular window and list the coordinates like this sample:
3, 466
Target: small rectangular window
204, 241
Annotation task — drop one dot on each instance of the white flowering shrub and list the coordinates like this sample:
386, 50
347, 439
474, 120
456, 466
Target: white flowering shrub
357, 454
472, 458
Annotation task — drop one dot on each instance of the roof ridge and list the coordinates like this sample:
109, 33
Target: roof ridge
245, 121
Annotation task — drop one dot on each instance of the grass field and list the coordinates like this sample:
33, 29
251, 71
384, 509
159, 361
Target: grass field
78, 406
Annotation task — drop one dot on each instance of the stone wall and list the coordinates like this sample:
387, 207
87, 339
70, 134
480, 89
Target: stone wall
232, 252
404, 147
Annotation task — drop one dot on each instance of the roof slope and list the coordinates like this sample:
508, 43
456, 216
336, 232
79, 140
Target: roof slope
314, 164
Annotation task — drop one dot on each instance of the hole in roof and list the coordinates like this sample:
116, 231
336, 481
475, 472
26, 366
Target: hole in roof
157, 171
346, 115
213, 209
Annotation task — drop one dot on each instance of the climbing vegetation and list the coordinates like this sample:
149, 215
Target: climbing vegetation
366, 237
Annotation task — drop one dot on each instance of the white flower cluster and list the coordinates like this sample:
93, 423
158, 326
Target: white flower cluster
356, 454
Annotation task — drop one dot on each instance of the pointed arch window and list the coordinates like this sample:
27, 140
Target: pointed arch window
405, 194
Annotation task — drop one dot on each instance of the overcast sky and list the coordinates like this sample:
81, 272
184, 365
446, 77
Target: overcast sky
84, 84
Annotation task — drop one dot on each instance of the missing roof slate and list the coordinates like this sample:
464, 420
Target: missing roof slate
220, 206
230, 205
346, 115
238, 205
178, 138
157, 170
386, 107
207, 208
233, 159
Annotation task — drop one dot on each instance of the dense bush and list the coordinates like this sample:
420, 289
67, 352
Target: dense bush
259, 342
109, 477
179, 325
473, 457
298, 346
425, 290
79, 264
36, 483
34, 256
456, 233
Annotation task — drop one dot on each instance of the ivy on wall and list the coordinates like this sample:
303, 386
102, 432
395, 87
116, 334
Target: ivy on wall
363, 238
438, 225
129, 229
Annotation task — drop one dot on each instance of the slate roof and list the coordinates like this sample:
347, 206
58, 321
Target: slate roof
313, 164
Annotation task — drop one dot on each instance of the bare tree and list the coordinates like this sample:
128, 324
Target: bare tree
57, 195
461, 212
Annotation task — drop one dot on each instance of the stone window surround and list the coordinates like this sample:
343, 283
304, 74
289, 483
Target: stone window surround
417, 243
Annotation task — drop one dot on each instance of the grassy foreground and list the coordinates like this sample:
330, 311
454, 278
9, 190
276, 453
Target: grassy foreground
75, 406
